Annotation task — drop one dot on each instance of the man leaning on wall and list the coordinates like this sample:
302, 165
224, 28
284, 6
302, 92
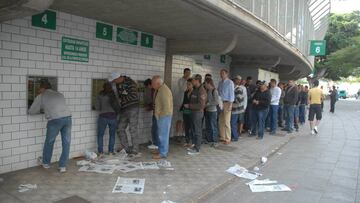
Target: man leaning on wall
59, 120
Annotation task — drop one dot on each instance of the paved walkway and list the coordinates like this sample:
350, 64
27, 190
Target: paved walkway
322, 169
193, 177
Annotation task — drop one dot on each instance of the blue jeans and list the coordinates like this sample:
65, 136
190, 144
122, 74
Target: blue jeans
212, 126
289, 115
273, 117
234, 126
302, 113
280, 115
259, 118
163, 126
154, 132
102, 124
62, 125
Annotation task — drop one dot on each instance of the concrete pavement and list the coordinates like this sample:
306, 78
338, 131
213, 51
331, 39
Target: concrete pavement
323, 168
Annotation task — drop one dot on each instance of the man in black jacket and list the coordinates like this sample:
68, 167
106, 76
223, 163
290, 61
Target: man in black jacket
290, 99
261, 102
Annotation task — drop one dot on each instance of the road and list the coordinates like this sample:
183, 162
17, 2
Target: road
323, 168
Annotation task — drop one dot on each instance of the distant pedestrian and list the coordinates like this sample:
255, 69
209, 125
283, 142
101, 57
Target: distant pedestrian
290, 99
303, 97
238, 108
211, 112
333, 98
107, 118
251, 89
179, 90
281, 105
297, 110
125, 89
188, 125
197, 105
261, 102
163, 113
59, 120
315, 96
226, 92
274, 105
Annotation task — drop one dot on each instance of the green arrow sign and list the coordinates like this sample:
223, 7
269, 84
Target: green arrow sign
126, 36
46, 19
147, 40
317, 47
104, 31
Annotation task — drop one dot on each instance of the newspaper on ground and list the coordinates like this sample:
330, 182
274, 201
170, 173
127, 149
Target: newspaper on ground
167, 201
263, 159
262, 182
243, 172
83, 163
96, 168
90, 155
129, 185
26, 187
269, 188
149, 165
164, 163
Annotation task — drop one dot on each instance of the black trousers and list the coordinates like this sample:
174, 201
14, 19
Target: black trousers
332, 105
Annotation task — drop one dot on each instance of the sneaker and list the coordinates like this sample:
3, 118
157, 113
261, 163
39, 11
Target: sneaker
193, 152
312, 132
316, 130
62, 169
45, 166
152, 147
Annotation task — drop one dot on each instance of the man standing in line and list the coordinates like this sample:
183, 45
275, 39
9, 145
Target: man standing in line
226, 93
149, 106
261, 102
180, 88
197, 105
251, 88
281, 105
333, 99
290, 99
315, 96
59, 120
163, 113
303, 97
125, 90
238, 108
274, 105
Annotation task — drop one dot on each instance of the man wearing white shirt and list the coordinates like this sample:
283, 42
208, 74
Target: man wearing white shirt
274, 105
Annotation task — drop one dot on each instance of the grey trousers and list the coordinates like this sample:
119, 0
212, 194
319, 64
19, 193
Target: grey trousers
129, 118
197, 118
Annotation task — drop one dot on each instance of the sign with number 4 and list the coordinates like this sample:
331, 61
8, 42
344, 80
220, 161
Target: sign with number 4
46, 19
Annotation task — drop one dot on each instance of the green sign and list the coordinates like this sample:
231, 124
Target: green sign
126, 36
207, 56
222, 58
46, 19
104, 31
74, 49
147, 40
317, 47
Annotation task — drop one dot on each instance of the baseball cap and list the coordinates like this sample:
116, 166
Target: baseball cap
238, 77
114, 75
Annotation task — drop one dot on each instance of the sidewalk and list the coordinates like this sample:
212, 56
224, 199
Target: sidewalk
193, 177
319, 169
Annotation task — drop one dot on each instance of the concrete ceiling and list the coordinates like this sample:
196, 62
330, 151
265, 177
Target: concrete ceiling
192, 26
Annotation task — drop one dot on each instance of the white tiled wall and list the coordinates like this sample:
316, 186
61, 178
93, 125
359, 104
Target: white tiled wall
26, 50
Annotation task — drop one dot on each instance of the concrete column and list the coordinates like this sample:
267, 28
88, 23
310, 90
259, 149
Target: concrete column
168, 66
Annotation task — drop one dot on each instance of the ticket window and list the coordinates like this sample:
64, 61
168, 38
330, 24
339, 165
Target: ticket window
33, 86
97, 86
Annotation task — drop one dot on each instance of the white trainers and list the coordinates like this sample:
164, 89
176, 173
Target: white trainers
316, 130
312, 132
62, 169
152, 147
39, 160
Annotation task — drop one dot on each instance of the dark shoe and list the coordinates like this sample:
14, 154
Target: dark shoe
272, 133
284, 129
259, 138
234, 140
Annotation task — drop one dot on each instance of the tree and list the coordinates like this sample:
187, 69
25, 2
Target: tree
342, 45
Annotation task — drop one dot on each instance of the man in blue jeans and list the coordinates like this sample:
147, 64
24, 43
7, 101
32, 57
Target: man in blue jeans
59, 120
290, 99
163, 113
274, 106
261, 102
107, 117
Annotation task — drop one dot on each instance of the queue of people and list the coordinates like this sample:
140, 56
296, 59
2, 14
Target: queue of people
224, 113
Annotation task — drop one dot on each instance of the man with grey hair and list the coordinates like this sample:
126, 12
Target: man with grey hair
126, 92
163, 113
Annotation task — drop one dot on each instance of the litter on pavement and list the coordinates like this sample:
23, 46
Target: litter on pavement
90, 155
269, 188
263, 160
26, 187
129, 185
243, 172
167, 201
261, 182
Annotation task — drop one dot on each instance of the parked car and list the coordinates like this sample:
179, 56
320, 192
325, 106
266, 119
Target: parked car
343, 94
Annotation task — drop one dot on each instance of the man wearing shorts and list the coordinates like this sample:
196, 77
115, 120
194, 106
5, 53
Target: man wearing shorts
315, 96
